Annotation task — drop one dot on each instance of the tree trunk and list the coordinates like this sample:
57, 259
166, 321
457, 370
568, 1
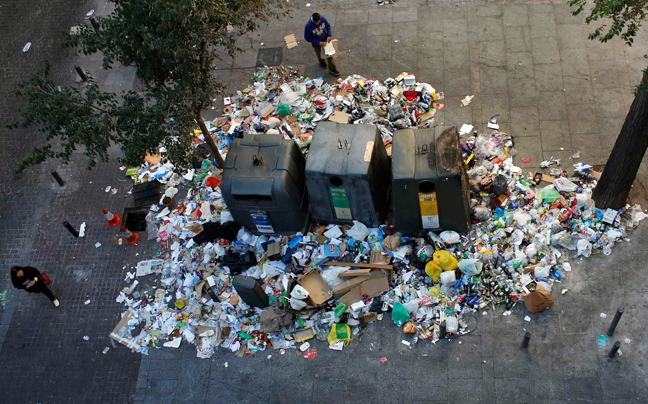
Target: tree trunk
210, 142
621, 168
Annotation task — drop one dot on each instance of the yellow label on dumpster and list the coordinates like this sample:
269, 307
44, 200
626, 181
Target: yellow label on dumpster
429, 210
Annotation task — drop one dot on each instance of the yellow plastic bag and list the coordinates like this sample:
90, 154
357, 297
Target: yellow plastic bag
433, 270
435, 290
445, 260
339, 332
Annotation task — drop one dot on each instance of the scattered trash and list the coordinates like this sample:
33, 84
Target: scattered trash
97, 244
86, 337
26, 47
603, 315
106, 349
218, 284
467, 100
383, 360
465, 129
311, 353
87, 302
602, 340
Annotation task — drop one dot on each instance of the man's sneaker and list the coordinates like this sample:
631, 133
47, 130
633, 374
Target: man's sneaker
334, 72
56, 303
323, 64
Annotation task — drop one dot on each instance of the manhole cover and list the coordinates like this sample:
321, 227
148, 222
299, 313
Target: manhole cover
269, 57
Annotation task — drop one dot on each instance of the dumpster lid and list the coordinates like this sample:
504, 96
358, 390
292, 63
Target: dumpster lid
252, 188
352, 158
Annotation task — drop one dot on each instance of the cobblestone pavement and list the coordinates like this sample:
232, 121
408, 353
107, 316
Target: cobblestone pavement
44, 356
529, 62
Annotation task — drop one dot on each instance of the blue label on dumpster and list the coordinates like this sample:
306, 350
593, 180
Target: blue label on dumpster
262, 222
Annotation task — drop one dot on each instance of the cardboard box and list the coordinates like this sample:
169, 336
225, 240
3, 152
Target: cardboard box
538, 299
352, 273
385, 267
129, 342
346, 286
318, 291
333, 42
377, 257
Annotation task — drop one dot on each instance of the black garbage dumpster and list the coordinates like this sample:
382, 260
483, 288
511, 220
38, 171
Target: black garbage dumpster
264, 185
430, 187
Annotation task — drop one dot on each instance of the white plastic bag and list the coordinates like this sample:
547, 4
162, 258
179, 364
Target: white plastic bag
452, 325
450, 237
358, 232
297, 304
448, 278
470, 266
542, 272
584, 248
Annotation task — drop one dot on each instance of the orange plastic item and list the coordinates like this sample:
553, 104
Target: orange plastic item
409, 328
212, 182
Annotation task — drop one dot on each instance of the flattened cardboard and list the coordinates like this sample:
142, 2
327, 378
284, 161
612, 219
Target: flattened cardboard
351, 297
274, 249
339, 117
129, 342
318, 291
321, 239
291, 41
374, 287
303, 335
538, 299
427, 115
377, 257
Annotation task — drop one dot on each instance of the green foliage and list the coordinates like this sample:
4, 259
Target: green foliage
93, 120
73, 117
174, 45
625, 17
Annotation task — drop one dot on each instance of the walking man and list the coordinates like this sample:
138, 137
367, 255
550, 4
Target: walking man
318, 33
29, 278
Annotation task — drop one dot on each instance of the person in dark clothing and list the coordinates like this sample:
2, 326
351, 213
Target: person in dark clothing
318, 33
27, 278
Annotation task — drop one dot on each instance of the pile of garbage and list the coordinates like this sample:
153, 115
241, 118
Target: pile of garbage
280, 102
221, 285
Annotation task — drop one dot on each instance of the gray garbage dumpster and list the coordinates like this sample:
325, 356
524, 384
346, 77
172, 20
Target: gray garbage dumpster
348, 174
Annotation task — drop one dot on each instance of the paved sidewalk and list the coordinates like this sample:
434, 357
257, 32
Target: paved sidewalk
531, 64
43, 354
